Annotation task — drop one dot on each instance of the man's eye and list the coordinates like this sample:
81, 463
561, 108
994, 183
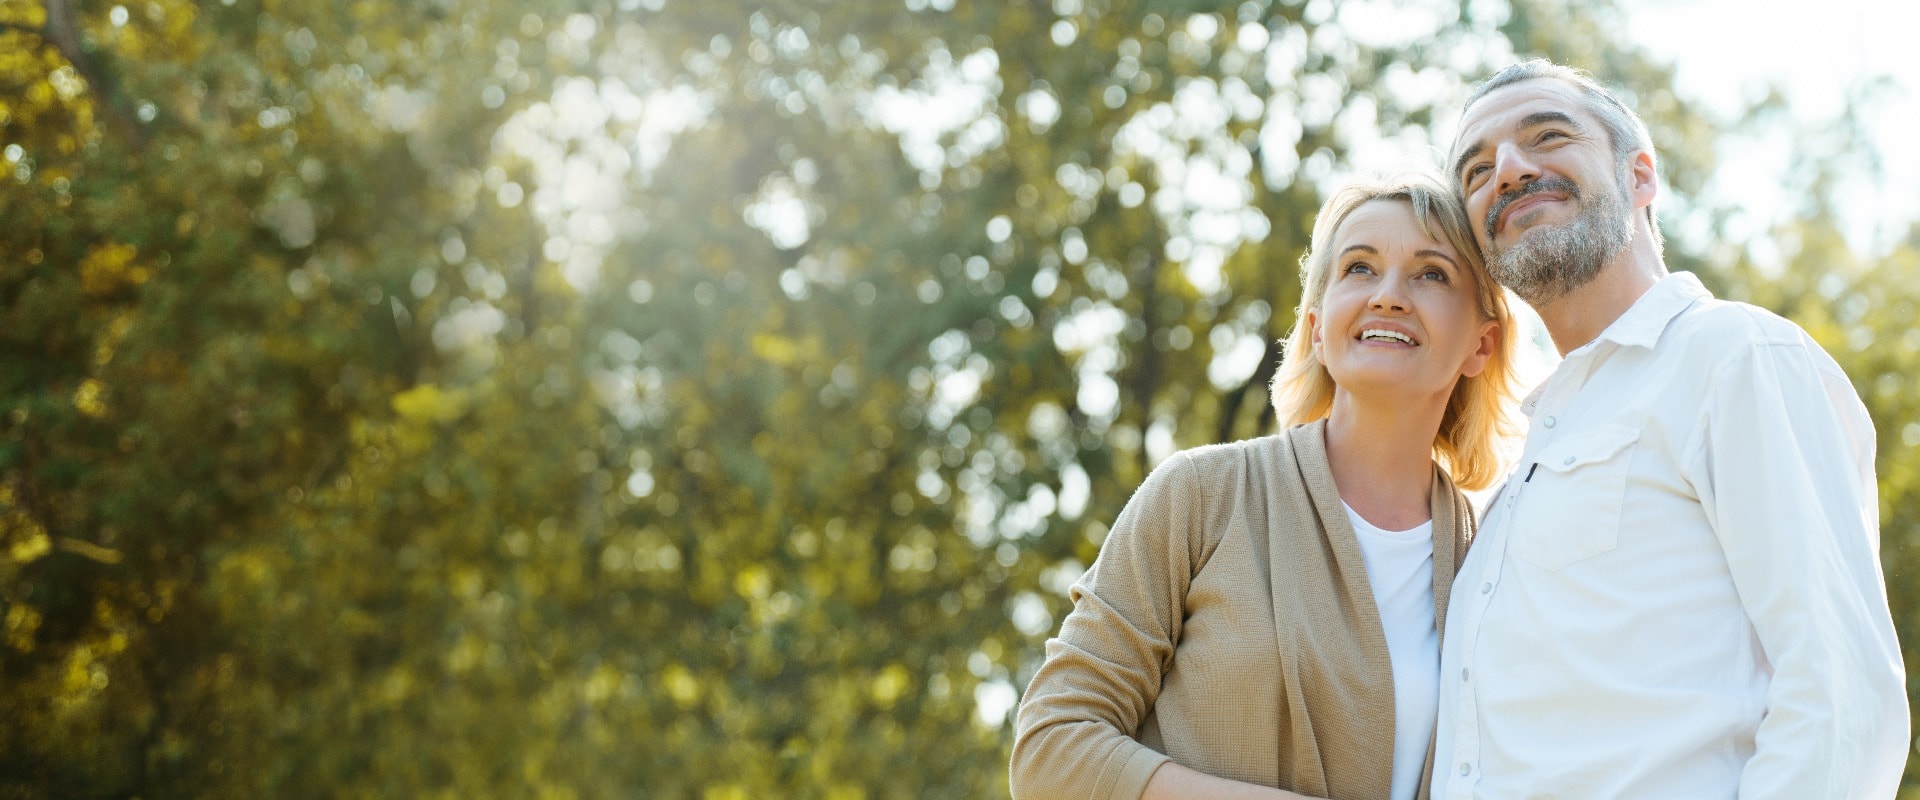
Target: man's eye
1474, 172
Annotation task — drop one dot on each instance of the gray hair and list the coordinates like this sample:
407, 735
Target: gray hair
1625, 130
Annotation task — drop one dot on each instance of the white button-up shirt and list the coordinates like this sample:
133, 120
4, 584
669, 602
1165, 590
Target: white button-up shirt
1678, 593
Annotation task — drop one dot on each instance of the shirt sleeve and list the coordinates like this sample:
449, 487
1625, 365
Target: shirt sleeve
1784, 467
1074, 733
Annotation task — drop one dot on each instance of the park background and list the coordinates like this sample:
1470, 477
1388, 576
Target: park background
463, 398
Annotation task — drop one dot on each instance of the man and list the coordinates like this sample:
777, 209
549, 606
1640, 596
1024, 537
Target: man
1677, 594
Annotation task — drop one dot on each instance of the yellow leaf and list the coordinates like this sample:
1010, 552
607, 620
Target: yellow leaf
778, 350
602, 685
753, 582
86, 399
681, 685
109, 267
426, 403
30, 546
889, 685
22, 623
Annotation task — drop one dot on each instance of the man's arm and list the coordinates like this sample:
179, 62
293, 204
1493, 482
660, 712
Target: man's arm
1783, 464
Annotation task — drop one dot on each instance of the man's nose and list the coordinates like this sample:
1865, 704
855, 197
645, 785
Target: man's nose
1512, 168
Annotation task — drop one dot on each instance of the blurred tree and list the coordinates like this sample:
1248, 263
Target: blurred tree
226, 223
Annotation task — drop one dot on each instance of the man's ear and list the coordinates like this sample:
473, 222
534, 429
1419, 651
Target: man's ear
1643, 181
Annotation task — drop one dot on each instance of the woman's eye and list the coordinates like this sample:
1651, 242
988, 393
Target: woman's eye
1435, 274
1359, 268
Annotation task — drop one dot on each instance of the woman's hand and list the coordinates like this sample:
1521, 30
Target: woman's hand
1173, 782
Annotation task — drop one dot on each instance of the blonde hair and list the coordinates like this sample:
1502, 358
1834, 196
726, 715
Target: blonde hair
1477, 426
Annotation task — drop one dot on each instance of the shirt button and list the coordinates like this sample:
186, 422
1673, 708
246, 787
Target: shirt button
1549, 422
1463, 673
1465, 768
1486, 587
1569, 460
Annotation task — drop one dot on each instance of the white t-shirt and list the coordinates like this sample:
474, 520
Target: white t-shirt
1400, 568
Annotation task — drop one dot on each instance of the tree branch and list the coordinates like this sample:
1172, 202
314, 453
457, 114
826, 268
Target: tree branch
62, 32
1146, 374
1261, 378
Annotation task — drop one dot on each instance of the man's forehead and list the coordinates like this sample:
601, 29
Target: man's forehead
1508, 105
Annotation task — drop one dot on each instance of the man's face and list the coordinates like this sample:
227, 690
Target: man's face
1547, 197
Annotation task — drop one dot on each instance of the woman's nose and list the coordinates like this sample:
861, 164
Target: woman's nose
1388, 296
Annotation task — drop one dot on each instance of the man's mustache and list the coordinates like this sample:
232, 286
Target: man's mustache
1534, 187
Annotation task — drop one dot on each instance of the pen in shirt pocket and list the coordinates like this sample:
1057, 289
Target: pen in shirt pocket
1529, 478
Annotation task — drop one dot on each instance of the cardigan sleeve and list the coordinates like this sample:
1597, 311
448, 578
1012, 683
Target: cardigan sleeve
1074, 734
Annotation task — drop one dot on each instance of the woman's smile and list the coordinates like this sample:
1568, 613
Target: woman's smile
1381, 333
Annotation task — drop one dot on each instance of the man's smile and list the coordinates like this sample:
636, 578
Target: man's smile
1512, 203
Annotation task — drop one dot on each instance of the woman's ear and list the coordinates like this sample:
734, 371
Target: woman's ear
1313, 331
1476, 362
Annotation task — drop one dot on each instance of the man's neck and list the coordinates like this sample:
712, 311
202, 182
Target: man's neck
1575, 318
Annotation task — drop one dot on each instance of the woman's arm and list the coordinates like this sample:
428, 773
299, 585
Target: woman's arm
1103, 672
1174, 782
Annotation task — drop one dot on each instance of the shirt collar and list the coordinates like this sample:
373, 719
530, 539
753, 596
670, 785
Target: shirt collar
1647, 318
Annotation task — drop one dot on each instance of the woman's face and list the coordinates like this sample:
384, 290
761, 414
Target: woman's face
1401, 312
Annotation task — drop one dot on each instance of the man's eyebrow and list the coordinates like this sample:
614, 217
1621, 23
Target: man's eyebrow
1544, 117
1530, 120
1471, 154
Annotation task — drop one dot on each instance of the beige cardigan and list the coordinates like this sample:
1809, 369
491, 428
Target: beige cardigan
1228, 624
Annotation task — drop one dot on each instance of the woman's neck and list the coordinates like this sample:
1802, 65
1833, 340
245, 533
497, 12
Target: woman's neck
1381, 455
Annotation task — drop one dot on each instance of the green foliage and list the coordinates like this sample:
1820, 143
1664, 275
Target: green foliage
704, 400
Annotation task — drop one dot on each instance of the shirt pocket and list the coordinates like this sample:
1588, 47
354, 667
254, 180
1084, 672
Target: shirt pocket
1571, 510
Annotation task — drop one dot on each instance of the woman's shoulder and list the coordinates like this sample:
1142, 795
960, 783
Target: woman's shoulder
1219, 469
1229, 455
1305, 442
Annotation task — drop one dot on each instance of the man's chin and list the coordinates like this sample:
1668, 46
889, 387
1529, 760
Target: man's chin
1526, 230
1529, 272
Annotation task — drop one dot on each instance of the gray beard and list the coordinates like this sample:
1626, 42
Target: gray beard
1548, 262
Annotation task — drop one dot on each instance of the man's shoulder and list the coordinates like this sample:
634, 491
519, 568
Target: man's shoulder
1715, 326
1712, 330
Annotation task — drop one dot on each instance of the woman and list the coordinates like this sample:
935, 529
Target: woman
1262, 620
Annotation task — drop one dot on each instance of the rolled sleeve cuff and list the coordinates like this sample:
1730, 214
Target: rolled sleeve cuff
1131, 781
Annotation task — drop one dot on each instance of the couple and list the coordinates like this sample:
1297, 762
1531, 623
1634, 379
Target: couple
1676, 594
